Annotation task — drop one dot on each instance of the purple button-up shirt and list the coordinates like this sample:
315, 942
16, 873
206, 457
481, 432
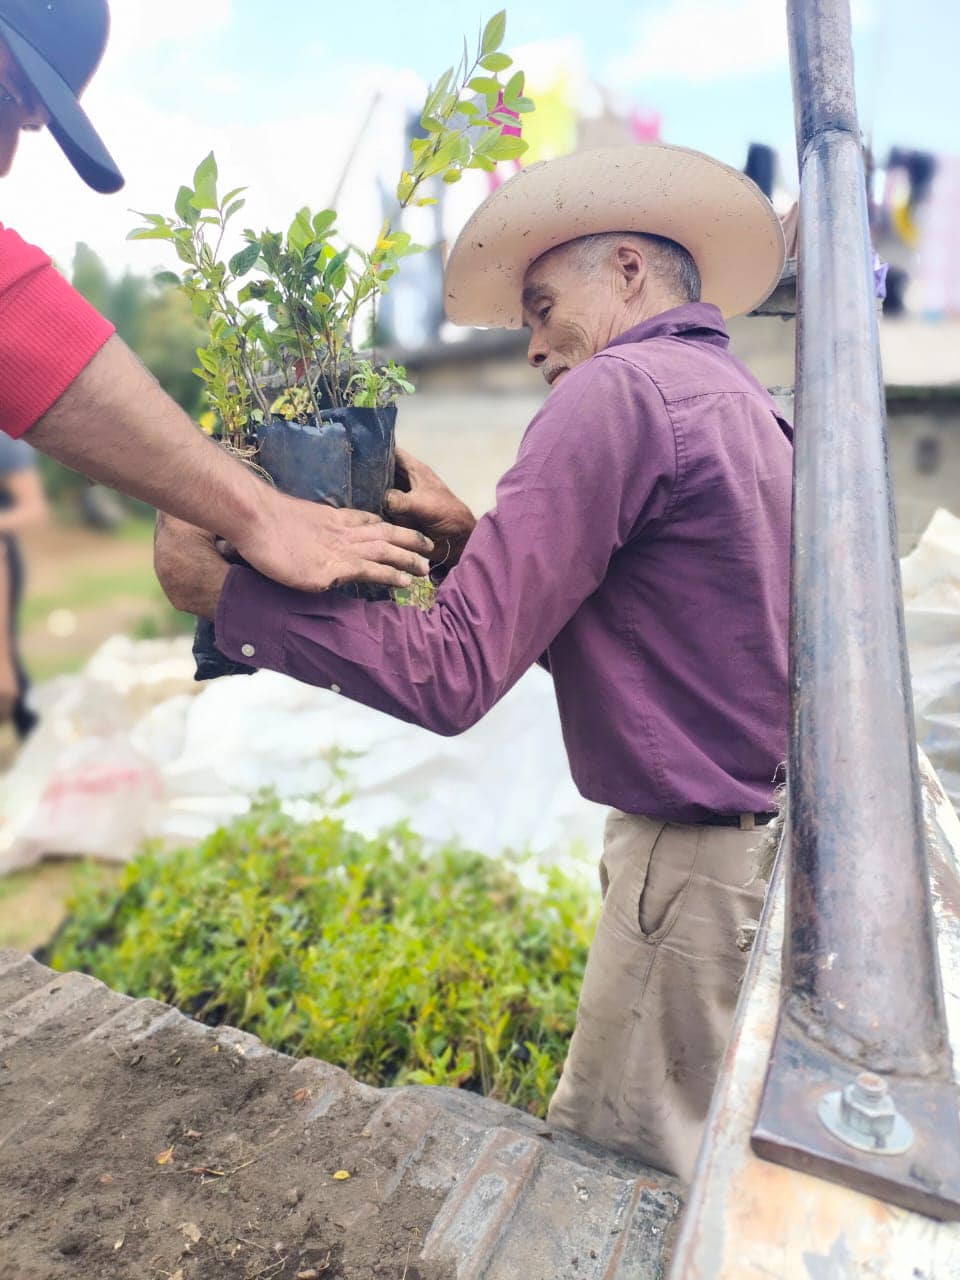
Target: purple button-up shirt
642, 541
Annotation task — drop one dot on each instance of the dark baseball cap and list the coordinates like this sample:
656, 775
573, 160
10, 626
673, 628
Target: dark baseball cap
58, 44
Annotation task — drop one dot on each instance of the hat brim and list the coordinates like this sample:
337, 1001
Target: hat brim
722, 218
78, 139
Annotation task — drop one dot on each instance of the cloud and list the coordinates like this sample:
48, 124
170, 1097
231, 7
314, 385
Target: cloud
140, 26
704, 41
170, 90
291, 156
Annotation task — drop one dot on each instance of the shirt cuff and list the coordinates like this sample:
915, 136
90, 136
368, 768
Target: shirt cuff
252, 617
48, 335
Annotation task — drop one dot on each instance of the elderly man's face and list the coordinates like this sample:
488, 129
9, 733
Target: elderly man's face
19, 109
571, 314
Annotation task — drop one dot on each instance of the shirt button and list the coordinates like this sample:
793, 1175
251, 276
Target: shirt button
247, 650
334, 688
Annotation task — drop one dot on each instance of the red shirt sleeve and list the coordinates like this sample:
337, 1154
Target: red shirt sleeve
48, 334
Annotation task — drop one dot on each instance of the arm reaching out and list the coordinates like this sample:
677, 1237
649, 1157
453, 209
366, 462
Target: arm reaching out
116, 425
86, 400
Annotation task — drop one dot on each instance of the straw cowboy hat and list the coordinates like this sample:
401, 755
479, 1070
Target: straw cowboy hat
715, 212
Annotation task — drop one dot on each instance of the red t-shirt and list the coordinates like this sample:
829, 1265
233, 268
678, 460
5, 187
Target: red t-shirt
48, 333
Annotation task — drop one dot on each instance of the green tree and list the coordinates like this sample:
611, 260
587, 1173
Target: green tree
153, 319
156, 322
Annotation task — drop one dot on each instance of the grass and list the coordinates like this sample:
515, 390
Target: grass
93, 591
106, 582
94, 587
33, 901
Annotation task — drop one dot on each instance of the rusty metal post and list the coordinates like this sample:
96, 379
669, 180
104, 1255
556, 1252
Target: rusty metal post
860, 1085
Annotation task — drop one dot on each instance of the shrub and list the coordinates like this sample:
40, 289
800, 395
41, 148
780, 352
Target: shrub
398, 964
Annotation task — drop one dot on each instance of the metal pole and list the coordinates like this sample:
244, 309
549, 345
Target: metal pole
860, 1085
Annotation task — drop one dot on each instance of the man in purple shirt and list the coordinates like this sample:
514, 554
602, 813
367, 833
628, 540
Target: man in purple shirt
639, 546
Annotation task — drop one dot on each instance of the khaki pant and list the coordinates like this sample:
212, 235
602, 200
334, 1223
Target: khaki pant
660, 988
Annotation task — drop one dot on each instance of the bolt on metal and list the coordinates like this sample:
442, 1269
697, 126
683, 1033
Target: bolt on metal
864, 1115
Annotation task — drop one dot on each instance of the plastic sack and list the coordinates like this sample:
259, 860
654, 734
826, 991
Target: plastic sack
109, 767
89, 780
346, 459
931, 592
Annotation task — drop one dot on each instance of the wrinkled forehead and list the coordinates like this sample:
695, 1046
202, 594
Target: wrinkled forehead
544, 276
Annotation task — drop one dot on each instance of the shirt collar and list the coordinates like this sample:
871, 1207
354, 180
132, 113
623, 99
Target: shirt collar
693, 319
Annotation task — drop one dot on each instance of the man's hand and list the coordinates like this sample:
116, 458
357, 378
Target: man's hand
189, 566
426, 503
115, 425
312, 547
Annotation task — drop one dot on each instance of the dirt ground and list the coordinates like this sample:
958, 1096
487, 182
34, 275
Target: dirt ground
83, 587
189, 1162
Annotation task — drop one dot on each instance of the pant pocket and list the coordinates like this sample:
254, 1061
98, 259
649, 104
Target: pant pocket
669, 871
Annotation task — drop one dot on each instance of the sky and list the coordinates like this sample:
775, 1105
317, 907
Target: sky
279, 88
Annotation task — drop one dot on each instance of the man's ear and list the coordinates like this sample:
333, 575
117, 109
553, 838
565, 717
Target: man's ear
632, 266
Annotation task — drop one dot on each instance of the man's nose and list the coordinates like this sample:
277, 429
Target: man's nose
537, 351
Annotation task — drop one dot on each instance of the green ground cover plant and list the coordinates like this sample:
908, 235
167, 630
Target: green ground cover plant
400, 965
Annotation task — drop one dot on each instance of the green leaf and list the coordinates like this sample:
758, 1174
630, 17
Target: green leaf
186, 210
494, 32
231, 195
166, 277
523, 104
205, 183
232, 209
452, 175
496, 62
334, 265
323, 221
245, 260
150, 233
208, 360
513, 89
301, 231
484, 85
505, 148
438, 93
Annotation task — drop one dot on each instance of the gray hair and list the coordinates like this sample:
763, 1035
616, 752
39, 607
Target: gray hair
670, 262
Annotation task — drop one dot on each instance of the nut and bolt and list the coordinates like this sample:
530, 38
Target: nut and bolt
864, 1115
867, 1107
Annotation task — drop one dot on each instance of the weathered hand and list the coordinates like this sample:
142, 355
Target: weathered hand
312, 547
429, 505
188, 566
